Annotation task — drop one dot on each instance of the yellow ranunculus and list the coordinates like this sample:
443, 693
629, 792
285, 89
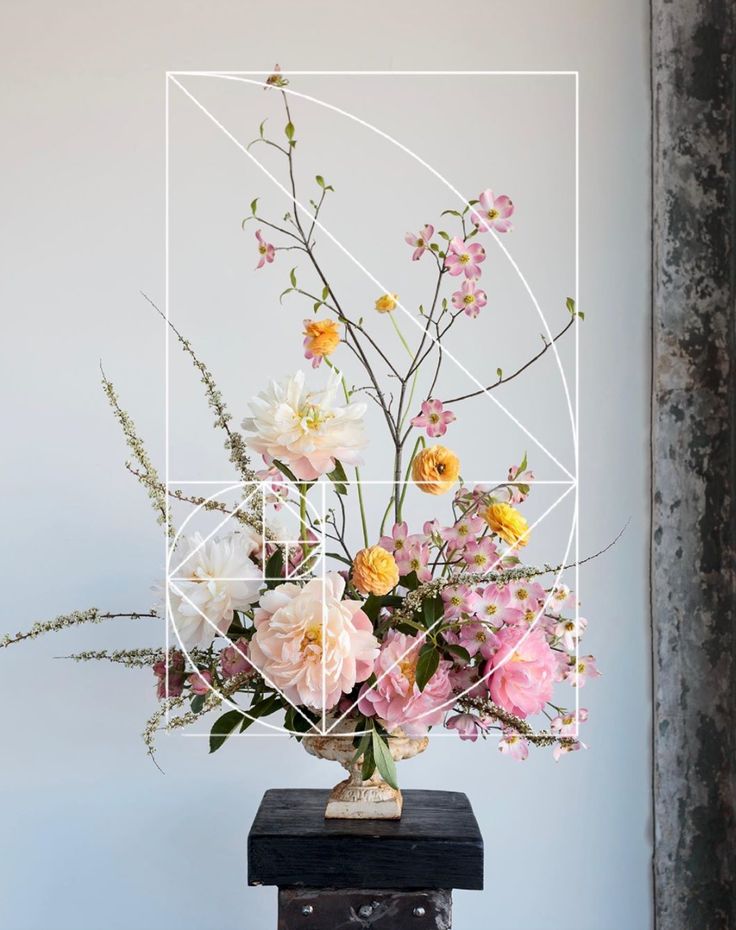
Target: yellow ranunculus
375, 571
387, 302
508, 523
435, 470
322, 337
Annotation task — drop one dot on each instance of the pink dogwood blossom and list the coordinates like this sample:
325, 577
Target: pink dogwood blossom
494, 606
570, 631
492, 212
395, 698
470, 299
525, 671
462, 531
560, 598
567, 724
464, 258
513, 745
474, 636
518, 489
458, 599
399, 540
468, 726
266, 251
434, 418
481, 555
420, 242
562, 749
526, 594
415, 559
578, 671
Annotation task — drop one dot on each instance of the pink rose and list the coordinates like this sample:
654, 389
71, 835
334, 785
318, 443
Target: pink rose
200, 681
395, 698
525, 671
234, 659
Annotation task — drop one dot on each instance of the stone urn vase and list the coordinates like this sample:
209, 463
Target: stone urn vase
354, 798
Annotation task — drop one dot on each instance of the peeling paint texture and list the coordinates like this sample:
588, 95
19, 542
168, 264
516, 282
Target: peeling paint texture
693, 570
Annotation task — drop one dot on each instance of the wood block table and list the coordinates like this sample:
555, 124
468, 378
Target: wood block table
365, 874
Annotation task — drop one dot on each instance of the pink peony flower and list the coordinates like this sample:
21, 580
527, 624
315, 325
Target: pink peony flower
492, 212
525, 672
395, 697
434, 418
513, 745
200, 681
420, 241
176, 676
308, 638
468, 726
470, 299
234, 659
464, 258
266, 251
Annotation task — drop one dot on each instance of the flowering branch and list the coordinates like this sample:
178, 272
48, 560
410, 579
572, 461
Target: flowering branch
64, 621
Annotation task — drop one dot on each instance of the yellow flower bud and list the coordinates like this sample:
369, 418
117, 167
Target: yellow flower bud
375, 571
386, 303
435, 470
508, 523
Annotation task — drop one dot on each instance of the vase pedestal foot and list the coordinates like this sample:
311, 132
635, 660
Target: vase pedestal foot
372, 800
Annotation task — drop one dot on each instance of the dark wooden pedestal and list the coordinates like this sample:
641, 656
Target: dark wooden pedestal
365, 874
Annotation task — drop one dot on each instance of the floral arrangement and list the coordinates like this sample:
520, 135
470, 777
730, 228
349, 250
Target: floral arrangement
438, 624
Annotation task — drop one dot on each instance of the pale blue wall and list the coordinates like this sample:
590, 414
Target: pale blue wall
93, 836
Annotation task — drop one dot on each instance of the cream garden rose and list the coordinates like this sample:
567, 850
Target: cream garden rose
312, 645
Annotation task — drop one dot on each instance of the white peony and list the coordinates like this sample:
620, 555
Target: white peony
209, 580
306, 430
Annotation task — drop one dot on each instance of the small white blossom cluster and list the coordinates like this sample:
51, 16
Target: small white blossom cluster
63, 621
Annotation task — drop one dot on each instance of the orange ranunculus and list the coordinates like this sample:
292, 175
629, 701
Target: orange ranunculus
387, 302
435, 470
375, 571
321, 338
508, 523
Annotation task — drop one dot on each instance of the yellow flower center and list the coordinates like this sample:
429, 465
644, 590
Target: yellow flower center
262, 249
434, 418
469, 299
312, 640
408, 669
492, 214
464, 258
420, 242
491, 609
522, 594
479, 559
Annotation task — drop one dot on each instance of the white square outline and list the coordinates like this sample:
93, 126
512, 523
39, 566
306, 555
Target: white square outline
476, 73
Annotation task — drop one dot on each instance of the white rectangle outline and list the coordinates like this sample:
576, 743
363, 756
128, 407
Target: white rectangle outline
167, 144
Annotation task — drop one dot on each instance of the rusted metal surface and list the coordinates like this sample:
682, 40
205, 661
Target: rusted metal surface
693, 570
319, 909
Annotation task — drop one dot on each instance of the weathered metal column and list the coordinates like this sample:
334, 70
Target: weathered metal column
693, 547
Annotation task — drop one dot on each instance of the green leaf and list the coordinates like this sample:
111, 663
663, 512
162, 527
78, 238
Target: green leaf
371, 607
429, 660
458, 651
384, 761
434, 247
363, 742
289, 130
522, 467
338, 477
320, 180
262, 709
260, 128
284, 293
197, 703
443, 235
325, 292
223, 727
274, 569
253, 205
285, 470
340, 558
499, 372
431, 610
570, 304
292, 276
410, 581
581, 315
369, 762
